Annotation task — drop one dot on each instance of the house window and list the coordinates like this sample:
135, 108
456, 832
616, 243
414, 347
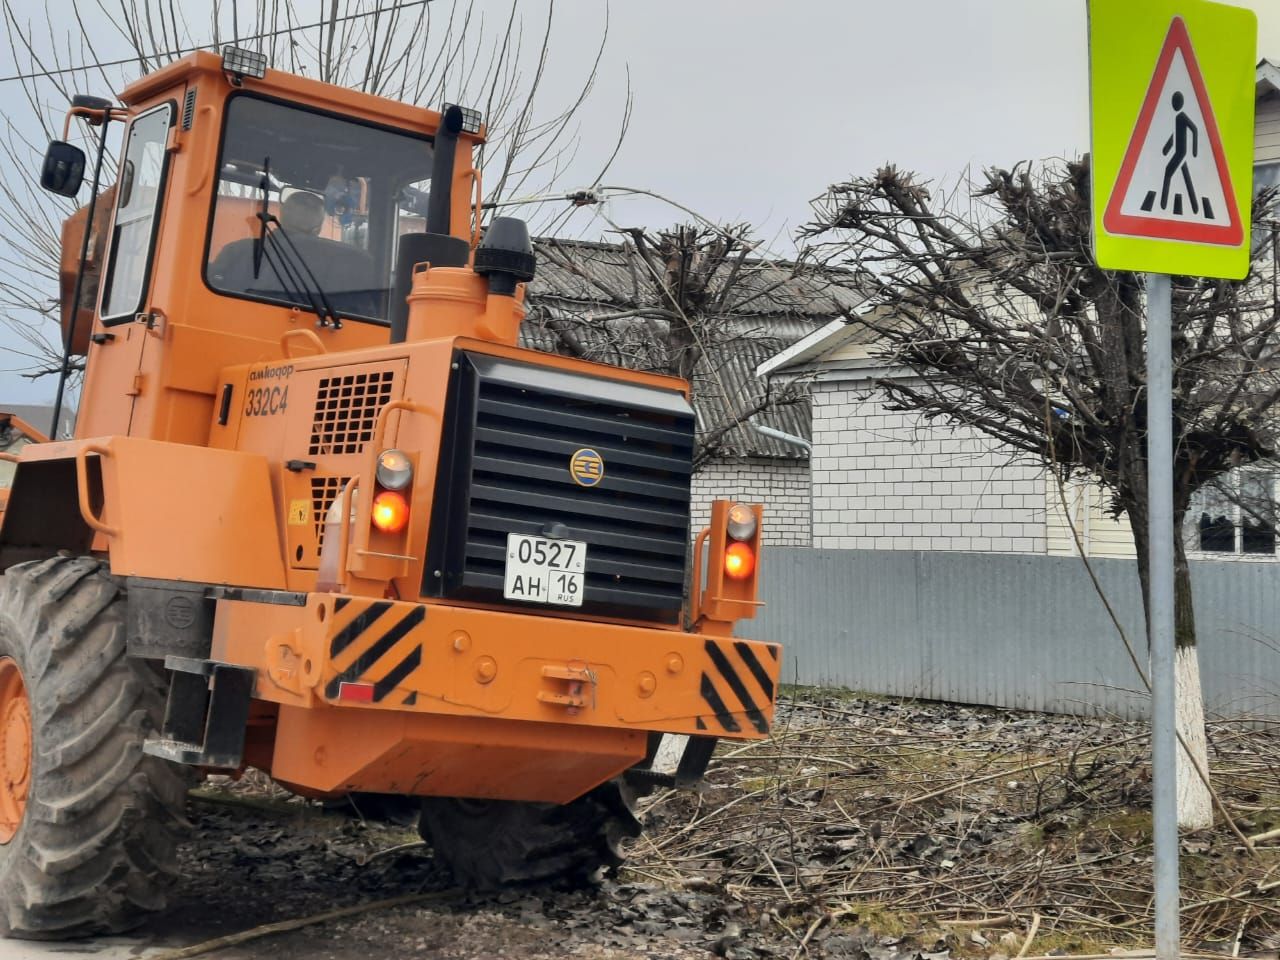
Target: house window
1266, 175
1235, 515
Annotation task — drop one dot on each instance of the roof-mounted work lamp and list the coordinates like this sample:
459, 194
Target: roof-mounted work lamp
472, 119
242, 63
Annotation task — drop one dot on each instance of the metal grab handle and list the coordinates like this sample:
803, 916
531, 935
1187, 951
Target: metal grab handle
344, 527
307, 335
82, 487
93, 115
695, 588
384, 415
477, 208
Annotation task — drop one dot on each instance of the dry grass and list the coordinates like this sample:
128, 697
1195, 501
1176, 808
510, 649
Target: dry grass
955, 827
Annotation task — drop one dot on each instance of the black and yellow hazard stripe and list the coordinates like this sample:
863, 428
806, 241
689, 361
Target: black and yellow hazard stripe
368, 647
737, 685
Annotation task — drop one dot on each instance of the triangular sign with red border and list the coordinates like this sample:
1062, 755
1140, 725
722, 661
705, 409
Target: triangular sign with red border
1174, 183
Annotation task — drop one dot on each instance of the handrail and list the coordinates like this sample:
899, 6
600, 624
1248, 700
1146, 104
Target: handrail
82, 487
384, 415
344, 527
309, 335
477, 208
695, 588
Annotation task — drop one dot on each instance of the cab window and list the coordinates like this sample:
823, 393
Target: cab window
309, 206
141, 184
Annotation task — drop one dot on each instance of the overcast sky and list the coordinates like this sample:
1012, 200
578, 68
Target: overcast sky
746, 110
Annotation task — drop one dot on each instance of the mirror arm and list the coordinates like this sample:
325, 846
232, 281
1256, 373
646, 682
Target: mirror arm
93, 117
69, 336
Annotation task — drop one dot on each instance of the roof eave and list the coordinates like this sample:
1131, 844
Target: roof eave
1268, 78
803, 349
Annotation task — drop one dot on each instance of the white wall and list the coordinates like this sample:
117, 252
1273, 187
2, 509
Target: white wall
781, 485
1267, 129
887, 480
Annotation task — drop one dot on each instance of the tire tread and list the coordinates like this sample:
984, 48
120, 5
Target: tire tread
98, 847
504, 843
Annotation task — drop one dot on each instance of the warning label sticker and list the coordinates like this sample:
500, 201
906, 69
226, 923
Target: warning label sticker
299, 512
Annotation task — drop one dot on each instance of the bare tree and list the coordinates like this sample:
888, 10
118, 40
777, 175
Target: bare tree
1011, 329
418, 52
691, 301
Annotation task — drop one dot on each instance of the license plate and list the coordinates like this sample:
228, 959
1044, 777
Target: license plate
540, 570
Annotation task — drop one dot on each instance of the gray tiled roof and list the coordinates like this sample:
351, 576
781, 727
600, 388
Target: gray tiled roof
768, 287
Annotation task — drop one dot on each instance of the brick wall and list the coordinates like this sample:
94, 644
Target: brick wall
886, 480
781, 485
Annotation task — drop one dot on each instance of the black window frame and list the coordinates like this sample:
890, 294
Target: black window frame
213, 199
162, 189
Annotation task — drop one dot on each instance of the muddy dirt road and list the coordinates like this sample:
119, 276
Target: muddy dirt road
271, 861
865, 829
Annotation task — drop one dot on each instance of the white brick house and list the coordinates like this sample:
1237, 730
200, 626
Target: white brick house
781, 484
886, 479
880, 483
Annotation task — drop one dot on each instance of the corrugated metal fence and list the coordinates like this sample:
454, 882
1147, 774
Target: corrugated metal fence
1027, 632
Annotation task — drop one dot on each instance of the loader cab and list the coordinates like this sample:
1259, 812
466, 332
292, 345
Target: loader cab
336, 195
256, 216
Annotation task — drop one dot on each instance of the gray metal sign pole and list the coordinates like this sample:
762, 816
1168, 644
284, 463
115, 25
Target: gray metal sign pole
1160, 630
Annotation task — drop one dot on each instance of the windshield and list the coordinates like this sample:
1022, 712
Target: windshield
342, 193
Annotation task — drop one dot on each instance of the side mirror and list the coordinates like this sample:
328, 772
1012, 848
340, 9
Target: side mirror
63, 169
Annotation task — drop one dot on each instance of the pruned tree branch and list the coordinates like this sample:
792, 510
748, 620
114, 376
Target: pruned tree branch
995, 317
683, 301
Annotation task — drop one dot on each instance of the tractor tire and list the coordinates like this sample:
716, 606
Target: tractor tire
489, 844
90, 833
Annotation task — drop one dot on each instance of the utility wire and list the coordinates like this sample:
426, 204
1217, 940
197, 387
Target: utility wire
599, 194
184, 50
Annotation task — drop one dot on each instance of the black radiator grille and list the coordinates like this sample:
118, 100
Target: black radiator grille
515, 429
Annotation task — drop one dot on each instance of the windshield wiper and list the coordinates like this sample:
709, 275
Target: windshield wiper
313, 292
290, 276
291, 284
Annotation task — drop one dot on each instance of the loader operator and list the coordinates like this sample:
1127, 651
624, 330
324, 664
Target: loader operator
297, 258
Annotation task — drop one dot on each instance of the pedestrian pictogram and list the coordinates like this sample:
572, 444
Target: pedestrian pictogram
1171, 103
1174, 183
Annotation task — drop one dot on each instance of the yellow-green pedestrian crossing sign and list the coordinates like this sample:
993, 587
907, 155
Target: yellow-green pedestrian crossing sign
1171, 95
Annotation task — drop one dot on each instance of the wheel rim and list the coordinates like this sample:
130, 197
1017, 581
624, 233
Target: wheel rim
15, 748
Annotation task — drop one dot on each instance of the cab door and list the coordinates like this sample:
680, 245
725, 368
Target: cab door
123, 332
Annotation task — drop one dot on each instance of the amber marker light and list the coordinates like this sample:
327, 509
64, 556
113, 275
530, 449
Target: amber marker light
739, 561
390, 511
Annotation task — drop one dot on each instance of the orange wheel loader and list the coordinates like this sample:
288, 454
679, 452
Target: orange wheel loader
323, 517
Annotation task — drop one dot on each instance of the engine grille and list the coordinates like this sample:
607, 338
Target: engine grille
511, 430
346, 411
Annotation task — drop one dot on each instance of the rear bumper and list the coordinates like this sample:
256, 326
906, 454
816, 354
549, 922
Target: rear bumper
434, 699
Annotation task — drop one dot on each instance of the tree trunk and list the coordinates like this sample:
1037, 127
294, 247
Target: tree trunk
1195, 803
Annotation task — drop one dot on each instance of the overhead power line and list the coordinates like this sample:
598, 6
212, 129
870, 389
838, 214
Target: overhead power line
185, 50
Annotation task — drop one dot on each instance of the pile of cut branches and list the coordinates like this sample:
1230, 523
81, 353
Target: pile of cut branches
975, 831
